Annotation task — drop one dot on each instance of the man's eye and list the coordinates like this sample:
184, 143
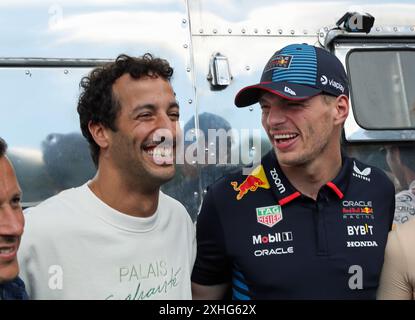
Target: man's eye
144, 115
174, 116
16, 201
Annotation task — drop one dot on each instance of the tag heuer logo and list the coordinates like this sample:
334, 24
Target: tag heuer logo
269, 216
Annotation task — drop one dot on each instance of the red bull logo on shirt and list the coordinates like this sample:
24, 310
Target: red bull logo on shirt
255, 180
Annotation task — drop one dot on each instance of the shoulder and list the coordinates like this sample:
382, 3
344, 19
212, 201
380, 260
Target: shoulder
54, 209
175, 207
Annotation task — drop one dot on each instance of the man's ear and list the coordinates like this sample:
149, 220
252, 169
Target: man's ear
341, 109
100, 134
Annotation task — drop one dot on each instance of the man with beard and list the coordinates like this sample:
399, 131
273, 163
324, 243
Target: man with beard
308, 222
11, 230
117, 236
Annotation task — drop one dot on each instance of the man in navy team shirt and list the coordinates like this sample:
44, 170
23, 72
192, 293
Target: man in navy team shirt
308, 222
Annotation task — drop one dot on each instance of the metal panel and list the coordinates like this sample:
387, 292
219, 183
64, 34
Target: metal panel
287, 18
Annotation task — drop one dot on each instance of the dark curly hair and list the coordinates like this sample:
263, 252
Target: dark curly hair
98, 104
3, 147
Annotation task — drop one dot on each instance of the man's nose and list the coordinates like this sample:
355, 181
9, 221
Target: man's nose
276, 115
11, 222
166, 128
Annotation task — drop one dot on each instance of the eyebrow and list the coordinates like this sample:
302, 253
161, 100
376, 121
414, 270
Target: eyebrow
152, 107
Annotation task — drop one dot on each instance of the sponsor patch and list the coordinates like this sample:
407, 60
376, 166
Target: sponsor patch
255, 180
360, 230
281, 61
269, 216
361, 174
274, 251
289, 91
357, 209
360, 244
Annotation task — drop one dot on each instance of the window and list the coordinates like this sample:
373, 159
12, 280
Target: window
39, 121
382, 88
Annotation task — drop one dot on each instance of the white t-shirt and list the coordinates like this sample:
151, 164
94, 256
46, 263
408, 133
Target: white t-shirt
77, 247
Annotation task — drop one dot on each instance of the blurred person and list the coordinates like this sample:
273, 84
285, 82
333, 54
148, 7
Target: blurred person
193, 178
11, 230
401, 161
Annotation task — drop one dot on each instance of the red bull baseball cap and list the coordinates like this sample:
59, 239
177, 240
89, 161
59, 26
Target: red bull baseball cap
298, 72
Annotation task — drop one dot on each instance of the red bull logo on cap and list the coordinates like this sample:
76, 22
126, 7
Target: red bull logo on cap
255, 180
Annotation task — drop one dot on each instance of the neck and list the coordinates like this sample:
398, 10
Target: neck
123, 194
310, 177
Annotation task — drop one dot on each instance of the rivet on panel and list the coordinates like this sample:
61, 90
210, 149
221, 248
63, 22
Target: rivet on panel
188, 69
185, 46
251, 108
280, 31
215, 31
65, 71
247, 68
200, 30
184, 21
243, 31
229, 30
190, 101
255, 30
395, 29
268, 31
292, 31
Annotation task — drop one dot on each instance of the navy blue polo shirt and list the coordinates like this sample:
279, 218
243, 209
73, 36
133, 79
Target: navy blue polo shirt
272, 242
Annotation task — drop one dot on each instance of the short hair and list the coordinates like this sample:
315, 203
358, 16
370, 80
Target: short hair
3, 147
97, 102
328, 99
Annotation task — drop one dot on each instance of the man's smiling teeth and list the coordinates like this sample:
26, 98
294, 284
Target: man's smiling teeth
6, 250
161, 152
285, 136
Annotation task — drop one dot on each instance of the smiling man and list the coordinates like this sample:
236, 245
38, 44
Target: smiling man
308, 222
11, 230
117, 236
